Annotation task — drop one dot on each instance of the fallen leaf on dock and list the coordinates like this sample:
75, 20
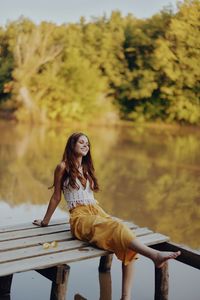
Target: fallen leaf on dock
46, 246
54, 244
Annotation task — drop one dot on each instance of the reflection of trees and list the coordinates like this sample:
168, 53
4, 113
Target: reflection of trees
146, 179
30, 154
175, 208
17, 181
149, 177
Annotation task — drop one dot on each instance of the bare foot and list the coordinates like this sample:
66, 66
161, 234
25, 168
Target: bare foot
163, 256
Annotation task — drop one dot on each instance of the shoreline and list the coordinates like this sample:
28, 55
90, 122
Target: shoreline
157, 125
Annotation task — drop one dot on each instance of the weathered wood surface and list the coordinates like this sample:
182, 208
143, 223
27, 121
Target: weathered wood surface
59, 286
161, 283
105, 263
21, 246
25, 226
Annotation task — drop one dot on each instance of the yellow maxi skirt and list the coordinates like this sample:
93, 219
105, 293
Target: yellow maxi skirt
91, 224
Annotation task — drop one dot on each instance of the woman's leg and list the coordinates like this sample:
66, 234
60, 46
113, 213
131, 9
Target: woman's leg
127, 279
158, 257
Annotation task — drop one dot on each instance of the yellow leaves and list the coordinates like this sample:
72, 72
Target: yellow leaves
67, 68
167, 90
53, 244
184, 108
8, 86
46, 246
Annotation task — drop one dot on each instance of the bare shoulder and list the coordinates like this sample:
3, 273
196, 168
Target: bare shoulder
60, 168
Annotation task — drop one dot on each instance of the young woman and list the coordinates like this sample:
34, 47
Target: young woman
75, 176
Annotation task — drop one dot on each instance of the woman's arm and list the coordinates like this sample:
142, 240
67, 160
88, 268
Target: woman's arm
56, 196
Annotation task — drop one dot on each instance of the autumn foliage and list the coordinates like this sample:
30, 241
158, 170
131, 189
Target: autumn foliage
137, 69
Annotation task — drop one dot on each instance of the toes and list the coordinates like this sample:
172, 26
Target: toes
176, 254
172, 255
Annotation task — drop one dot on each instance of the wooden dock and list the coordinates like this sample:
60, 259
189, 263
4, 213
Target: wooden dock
22, 249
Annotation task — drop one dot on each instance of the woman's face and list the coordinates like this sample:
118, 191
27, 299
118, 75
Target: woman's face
82, 146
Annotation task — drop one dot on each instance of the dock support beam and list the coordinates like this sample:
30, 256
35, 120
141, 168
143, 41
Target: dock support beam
5, 286
59, 276
59, 287
105, 286
105, 283
105, 263
161, 283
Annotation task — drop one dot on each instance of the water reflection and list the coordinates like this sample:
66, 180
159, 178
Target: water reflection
105, 284
157, 177
79, 297
105, 287
154, 173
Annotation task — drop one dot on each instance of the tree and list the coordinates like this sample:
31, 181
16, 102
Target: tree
138, 96
33, 49
177, 61
148, 68
6, 66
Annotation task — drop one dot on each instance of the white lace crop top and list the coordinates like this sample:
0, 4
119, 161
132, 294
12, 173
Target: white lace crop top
82, 195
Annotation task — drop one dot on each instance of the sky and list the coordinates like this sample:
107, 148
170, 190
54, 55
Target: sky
65, 11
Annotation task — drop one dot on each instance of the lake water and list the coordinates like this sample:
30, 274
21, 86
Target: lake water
147, 176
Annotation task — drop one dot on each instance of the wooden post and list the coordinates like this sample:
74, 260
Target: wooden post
5, 297
161, 283
105, 263
59, 277
5, 286
105, 284
59, 287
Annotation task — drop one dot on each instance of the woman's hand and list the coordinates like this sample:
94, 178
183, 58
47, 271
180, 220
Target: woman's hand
39, 223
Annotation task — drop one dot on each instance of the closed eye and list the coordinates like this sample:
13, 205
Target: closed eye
82, 142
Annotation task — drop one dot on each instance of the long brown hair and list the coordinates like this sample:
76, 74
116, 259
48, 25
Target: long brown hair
72, 172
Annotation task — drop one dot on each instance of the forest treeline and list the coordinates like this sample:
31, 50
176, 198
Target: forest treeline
137, 69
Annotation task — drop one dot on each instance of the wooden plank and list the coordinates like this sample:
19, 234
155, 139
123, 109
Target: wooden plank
62, 236
36, 231
50, 260
25, 230
31, 241
29, 225
29, 252
142, 231
61, 258
154, 238
17, 254
53, 222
